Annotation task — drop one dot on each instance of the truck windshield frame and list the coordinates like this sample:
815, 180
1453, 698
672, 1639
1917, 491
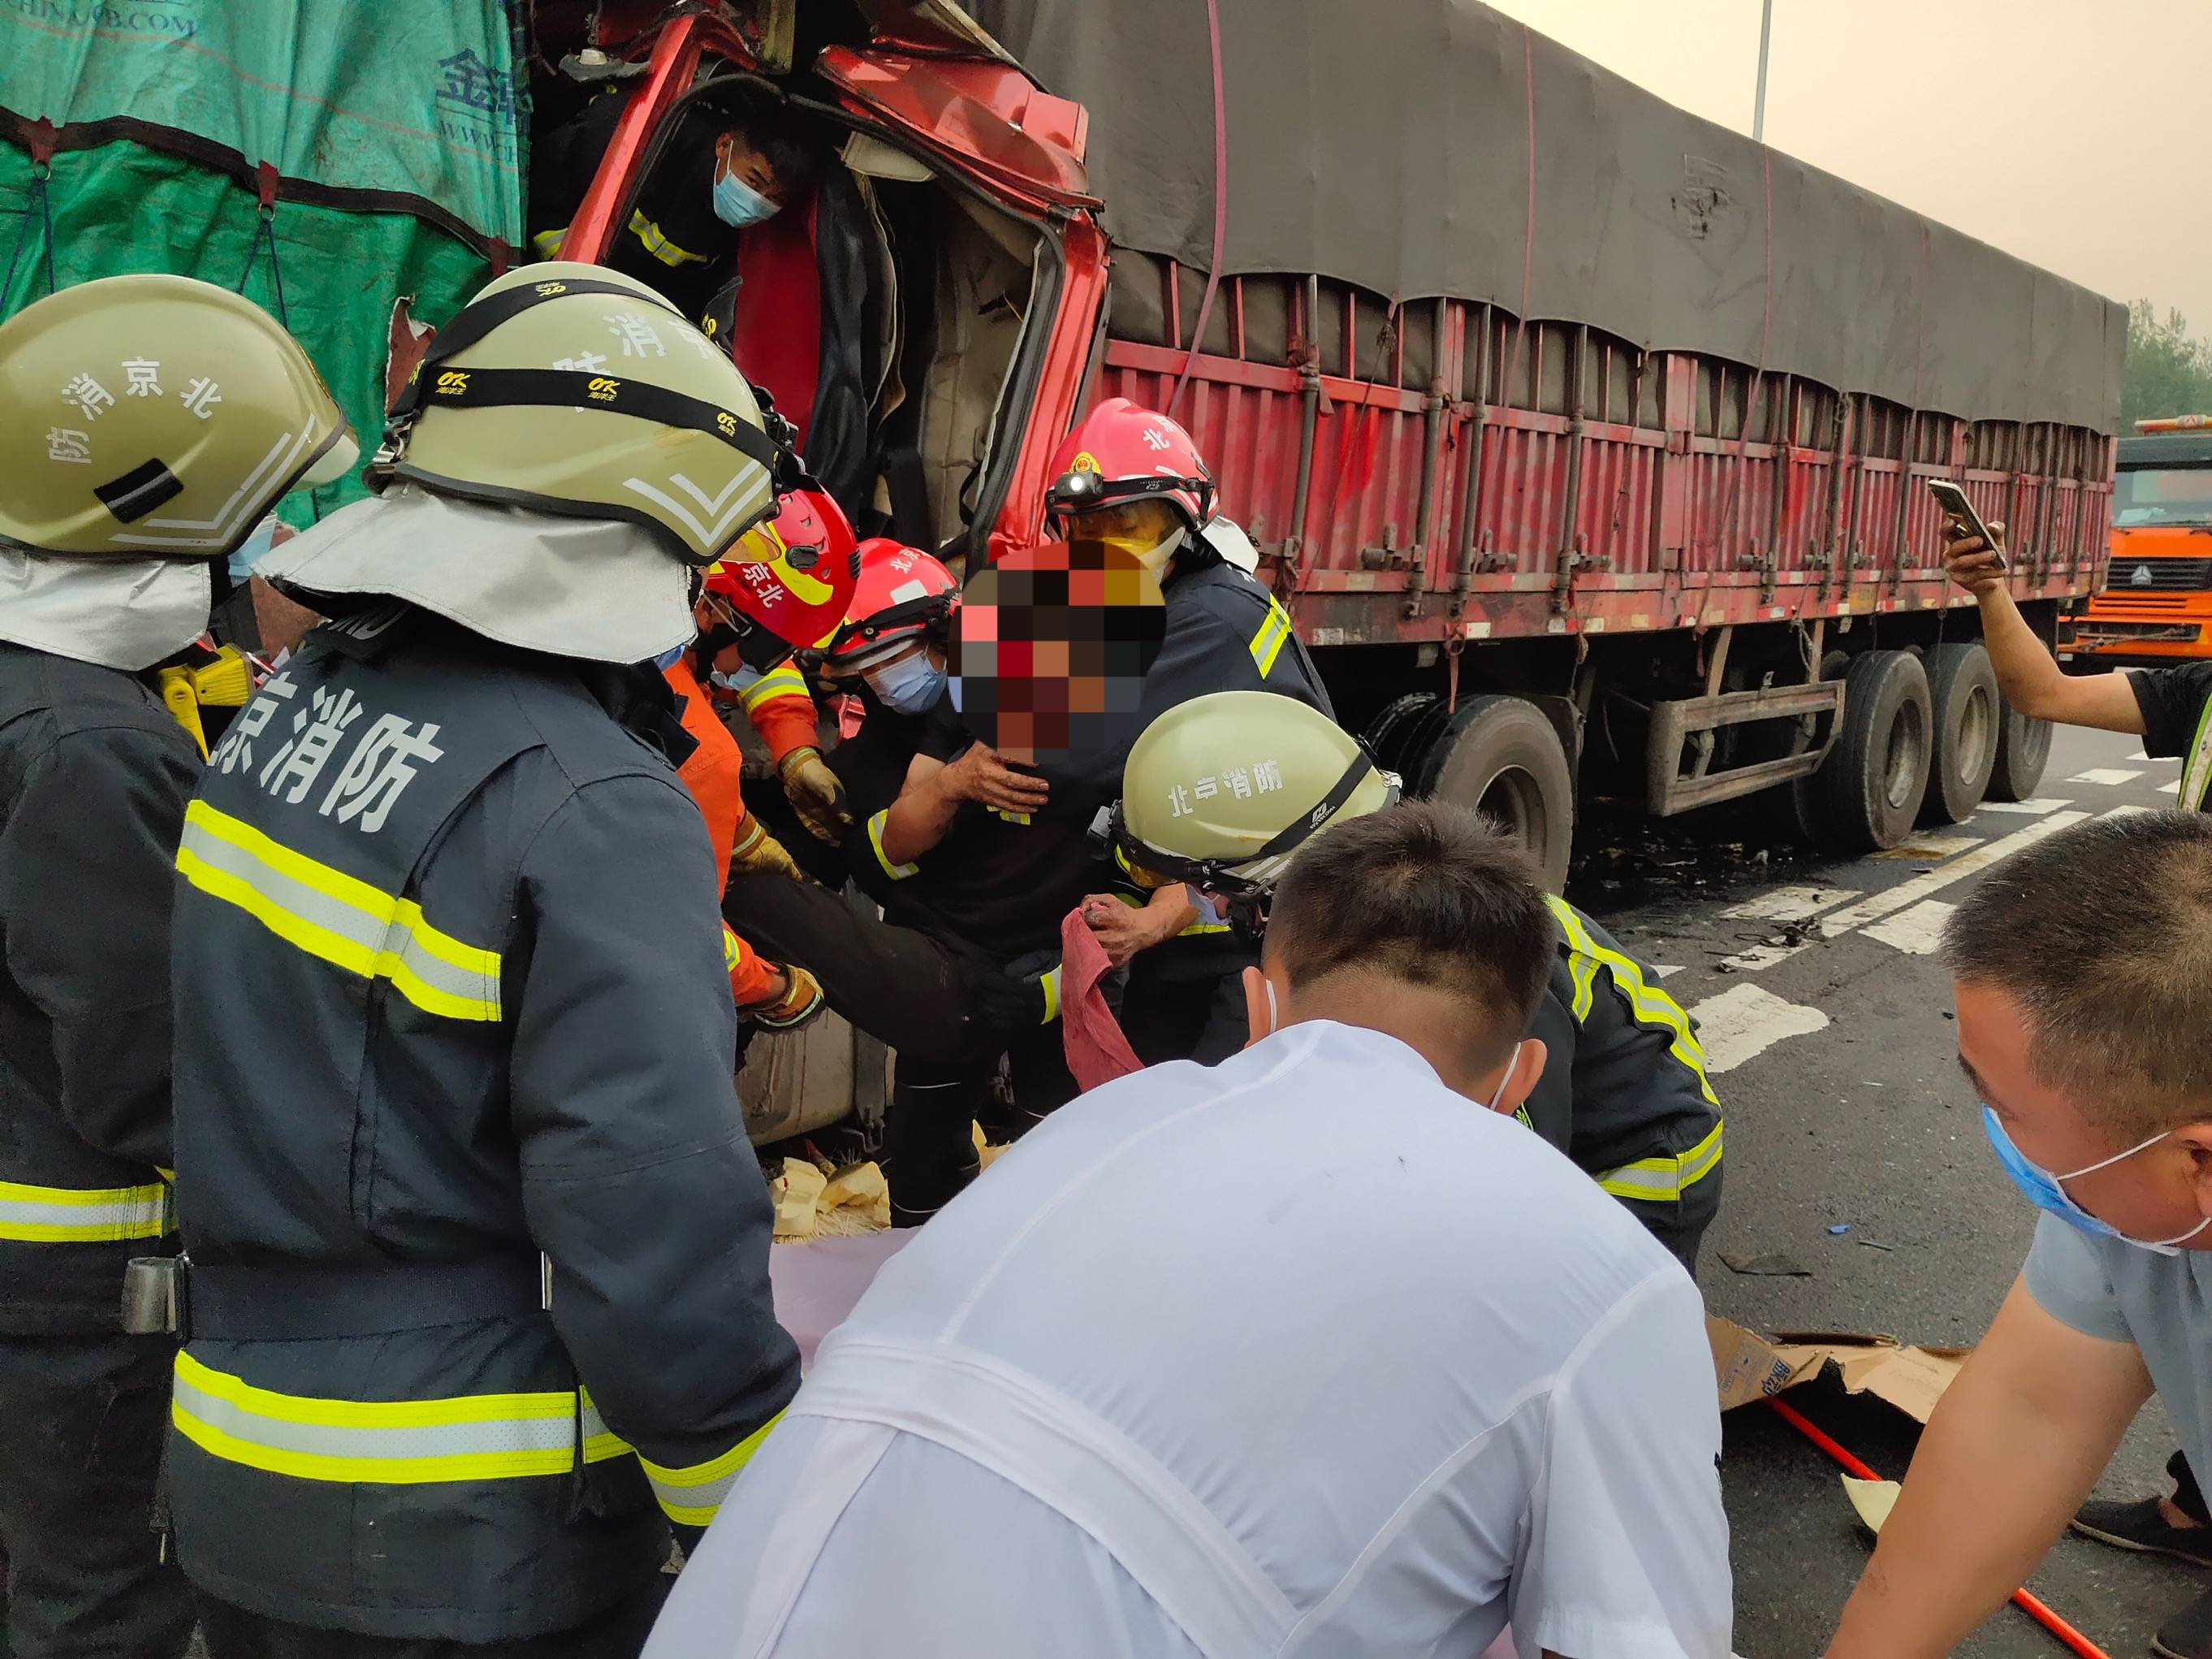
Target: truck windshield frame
2182, 495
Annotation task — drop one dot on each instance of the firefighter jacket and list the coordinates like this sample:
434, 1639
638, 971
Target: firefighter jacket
479, 1249
714, 773
95, 773
1625, 1092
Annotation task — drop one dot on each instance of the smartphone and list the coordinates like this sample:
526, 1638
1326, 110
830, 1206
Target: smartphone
1952, 500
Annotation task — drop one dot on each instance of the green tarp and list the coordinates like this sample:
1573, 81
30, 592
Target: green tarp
411, 100
394, 132
125, 208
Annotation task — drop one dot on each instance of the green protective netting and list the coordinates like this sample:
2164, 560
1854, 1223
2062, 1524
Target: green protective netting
123, 207
414, 99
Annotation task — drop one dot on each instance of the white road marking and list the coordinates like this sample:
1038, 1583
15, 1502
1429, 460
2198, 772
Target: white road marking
2033, 809
1745, 1021
1891, 900
2122, 811
2104, 775
1916, 931
1930, 847
1788, 903
1667, 970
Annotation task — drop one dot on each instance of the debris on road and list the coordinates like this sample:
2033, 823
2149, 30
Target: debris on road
1772, 1265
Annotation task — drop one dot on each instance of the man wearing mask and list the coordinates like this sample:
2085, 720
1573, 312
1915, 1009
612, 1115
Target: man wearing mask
1200, 1416
2080, 969
150, 421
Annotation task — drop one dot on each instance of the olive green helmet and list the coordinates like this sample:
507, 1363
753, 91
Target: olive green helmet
577, 390
156, 416
1221, 790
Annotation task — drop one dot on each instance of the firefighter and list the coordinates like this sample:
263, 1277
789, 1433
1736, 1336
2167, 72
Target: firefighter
728, 167
1133, 479
810, 544
478, 1247
151, 422
1624, 1091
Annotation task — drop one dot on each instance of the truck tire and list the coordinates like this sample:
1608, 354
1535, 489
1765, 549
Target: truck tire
1962, 688
2023, 750
1502, 756
1866, 794
1387, 732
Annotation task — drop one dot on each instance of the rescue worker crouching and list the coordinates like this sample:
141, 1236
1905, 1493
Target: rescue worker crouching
478, 1245
1221, 790
1131, 479
151, 422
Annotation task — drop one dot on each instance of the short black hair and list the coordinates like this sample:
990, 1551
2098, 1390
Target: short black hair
1429, 894
792, 143
2102, 933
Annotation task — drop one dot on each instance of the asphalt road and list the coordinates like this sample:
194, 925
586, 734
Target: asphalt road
1846, 1108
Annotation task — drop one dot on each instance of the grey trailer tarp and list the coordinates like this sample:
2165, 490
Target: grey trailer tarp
1424, 148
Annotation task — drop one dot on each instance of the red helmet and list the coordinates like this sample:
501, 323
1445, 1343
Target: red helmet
1122, 455
902, 593
788, 581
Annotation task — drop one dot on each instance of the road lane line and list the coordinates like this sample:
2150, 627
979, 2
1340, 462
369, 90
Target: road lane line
2033, 809
2122, 811
1929, 847
1891, 900
1746, 1020
1917, 932
2112, 774
1788, 903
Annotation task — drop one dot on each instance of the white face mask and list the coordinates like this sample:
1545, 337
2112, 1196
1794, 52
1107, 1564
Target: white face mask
1274, 1016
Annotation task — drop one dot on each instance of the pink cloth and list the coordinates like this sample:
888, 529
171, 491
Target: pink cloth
817, 1282
1097, 1053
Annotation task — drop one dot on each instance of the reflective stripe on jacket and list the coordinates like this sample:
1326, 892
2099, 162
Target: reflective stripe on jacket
1624, 1092
94, 773
450, 980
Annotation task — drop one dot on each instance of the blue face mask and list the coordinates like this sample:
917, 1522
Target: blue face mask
2047, 1191
250, 551
911, 686
737, 204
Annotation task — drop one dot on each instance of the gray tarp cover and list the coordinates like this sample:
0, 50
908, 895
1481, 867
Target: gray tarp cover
1387, 143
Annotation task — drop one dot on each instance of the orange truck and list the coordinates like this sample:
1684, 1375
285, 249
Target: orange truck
2156, 603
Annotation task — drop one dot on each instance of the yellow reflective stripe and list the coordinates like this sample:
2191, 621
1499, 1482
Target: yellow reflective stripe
546, 244
386, 1443
1022, 818
690, 1496
1647, 1004
781, 681
1267, 643
81, 1215
1664, 1179
734, 953
1051, 982
2198, 772
337, 918
658, 245
896, 871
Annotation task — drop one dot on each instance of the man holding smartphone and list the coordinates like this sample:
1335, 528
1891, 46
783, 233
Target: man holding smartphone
2166, 707
2172, 710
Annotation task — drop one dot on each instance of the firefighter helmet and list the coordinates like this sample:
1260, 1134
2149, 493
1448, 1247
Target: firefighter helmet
787, 584
1130, 478
577, 390
154, 416
904, 594
1221, 791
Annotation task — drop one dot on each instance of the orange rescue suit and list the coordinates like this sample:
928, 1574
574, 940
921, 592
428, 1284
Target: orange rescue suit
713, 775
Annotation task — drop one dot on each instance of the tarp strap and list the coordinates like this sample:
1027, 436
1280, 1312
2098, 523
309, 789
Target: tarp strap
40, 172
1220, 209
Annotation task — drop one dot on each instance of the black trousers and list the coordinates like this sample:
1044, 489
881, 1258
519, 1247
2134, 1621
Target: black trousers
951, 1014
1184, 1010
2188, 1495
619, 1633
81, 1423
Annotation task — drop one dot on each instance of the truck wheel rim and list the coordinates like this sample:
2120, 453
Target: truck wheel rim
1901, 759
1511, 800
1978, 733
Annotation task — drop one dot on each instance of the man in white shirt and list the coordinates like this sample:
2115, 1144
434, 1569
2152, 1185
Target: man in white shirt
1307, 1353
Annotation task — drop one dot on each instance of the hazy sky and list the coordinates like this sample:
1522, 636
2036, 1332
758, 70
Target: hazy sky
2067, 131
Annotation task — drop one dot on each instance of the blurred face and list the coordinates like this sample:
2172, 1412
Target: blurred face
2158, 1193
1141, 528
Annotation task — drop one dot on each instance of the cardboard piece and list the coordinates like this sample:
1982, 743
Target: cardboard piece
794, 1192
1748, 1366
1873, 1499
